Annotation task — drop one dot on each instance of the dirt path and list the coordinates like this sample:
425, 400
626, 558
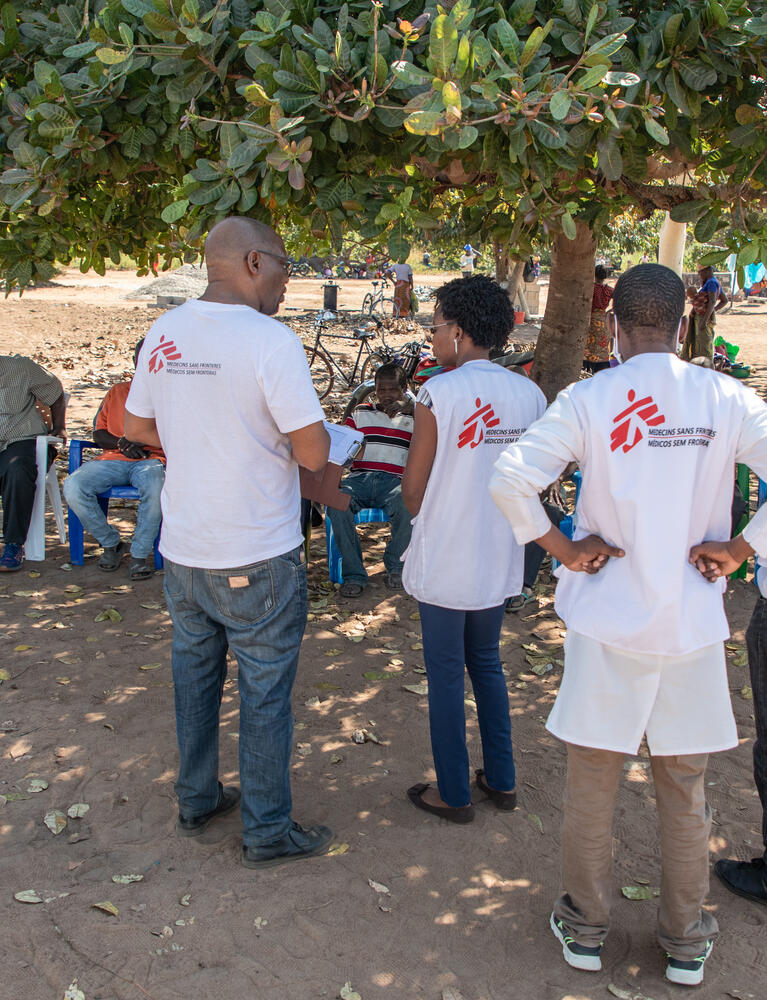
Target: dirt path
87, 707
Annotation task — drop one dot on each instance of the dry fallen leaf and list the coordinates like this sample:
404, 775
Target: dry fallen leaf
106, 907
127, 879
56, 821
536, 821
639, 892
336, 849
259, 922
451, 993
379, 887
78, 810
747, 693
422, 688
62, 680
347, 993
37, 785
303, 749
150, 666
622, 994
38, 895
312, 702
336, 758
21, 648
4, 675
184, 901
73, 992
108, 614
151, 606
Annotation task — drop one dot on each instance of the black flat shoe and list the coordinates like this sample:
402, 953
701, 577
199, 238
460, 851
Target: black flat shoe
459, 814
507, 801
745, 878
192, 826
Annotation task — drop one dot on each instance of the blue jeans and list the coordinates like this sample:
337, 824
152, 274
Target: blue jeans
259, 611
370, 489
147, 476
453, 640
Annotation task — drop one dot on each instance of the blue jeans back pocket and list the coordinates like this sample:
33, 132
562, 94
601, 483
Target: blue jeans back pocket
244, 595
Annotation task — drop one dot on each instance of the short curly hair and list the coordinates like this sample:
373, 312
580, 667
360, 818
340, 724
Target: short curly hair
649, 296
481, 308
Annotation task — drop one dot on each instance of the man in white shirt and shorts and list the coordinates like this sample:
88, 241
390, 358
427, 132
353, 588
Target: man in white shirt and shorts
225, 391
641, 594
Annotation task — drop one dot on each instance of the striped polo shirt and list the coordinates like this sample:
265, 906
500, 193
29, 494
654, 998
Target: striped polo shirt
387, 439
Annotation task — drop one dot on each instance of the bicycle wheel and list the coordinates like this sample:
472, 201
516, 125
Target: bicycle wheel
321, 371
366, 311
370, 366
388, 307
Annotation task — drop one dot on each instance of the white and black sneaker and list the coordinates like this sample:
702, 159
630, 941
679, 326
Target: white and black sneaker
688, 973
576, 955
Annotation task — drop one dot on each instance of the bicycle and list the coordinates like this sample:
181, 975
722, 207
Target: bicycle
376, 305
322, 363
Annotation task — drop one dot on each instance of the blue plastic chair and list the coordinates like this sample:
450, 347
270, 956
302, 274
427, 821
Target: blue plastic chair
369, 515
76, 540
567, 524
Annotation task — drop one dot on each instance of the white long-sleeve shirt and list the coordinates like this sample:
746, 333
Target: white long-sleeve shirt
656, 440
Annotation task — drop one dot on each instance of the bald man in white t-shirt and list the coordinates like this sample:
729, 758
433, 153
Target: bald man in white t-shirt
225, 390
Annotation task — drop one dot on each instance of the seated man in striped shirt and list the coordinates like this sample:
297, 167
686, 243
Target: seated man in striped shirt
375, 480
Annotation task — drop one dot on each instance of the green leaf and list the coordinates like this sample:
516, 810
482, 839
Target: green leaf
639, 892
425, 122
609, 159
228, 138
568, 226
172, 213
592, 77
671, 30
80, 49
689, 211
398, 247
656, 130
706, 226
608, 45
463, 57
508, 39
482, 51
533, 43
469, 135
560, 105
522, 12
675, 92
591, 20
443, 43
697, 74
621, 79
409, 75
748, 254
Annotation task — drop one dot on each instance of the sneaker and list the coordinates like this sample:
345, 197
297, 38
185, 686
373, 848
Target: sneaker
192, 826
520, 601
296, 844
12, 558
745, 878
111, 556
576, 955
688, 973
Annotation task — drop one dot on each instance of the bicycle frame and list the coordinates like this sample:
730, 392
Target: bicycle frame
318, 347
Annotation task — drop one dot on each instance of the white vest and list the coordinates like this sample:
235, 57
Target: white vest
462, 553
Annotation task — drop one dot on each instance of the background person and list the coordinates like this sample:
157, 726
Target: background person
402, 275
121, 463
644, 652
376, 480
463, 562
23, 384
219, 379
597, 353
467, 260
701, 329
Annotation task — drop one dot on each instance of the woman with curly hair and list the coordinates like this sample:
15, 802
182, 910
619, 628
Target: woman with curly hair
463, 562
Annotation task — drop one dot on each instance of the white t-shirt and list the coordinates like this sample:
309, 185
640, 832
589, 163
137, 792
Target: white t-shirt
467, 261
462, 552
656, 440
402, 272
225, 385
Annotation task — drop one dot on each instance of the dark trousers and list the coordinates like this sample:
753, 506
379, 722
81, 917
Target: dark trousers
18, 479
534, 553
454, 642
756, 641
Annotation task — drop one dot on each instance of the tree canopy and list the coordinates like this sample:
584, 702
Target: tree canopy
133, 128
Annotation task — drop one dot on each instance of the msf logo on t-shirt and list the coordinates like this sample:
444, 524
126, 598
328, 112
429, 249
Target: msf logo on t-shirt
165, 351
630, 424
474, 426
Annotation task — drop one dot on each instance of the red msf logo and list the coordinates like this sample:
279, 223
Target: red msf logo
473, 432
162, 353
630, 424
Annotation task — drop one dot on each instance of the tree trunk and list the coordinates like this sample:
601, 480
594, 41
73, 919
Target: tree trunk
559, 351
502, 262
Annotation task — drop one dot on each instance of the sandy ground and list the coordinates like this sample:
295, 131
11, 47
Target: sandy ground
87, 706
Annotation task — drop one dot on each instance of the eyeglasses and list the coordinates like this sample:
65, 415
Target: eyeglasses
285, 262
433, 329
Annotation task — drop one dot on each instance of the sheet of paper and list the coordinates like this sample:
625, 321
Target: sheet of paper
344, 442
